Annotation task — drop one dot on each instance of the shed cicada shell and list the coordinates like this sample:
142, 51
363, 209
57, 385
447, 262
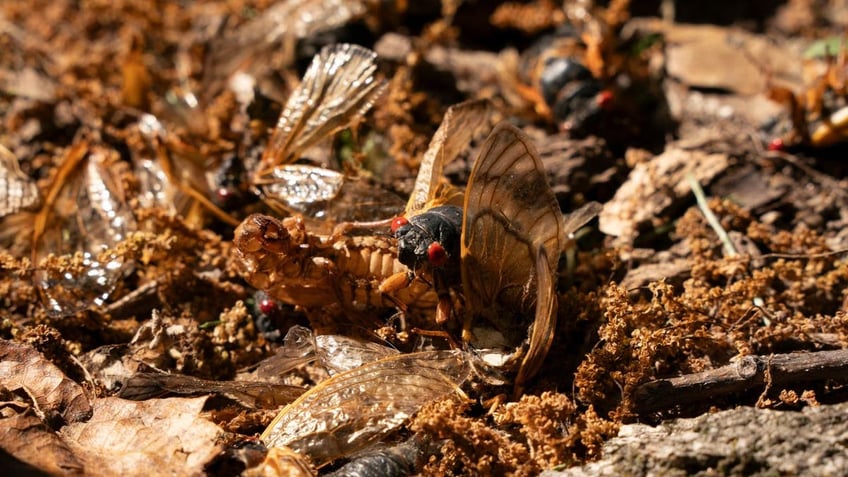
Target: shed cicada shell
505, 241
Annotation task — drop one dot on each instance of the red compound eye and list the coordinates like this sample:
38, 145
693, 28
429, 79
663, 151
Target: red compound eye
267, 306
398, 222
605, 99
436, 254
777, 144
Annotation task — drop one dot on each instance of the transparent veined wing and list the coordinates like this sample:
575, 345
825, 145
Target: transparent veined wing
17, 191
352, 410
339, 87
461, 124
85, 215
511, 220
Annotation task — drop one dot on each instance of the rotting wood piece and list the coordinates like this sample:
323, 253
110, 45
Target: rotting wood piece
743, 375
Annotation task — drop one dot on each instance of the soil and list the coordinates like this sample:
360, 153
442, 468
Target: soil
134, 337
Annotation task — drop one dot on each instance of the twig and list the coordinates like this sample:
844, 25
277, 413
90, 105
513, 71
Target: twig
746, 374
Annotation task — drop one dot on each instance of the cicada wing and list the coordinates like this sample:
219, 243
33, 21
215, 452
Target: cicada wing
357, 408
339, 87
325, 197
250, 46
84, 217
292, 187
544, 323
461, 124
17, 191
511, 214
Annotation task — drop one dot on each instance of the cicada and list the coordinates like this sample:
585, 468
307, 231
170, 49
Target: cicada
585, 80
818, 115
505, 240
322, 272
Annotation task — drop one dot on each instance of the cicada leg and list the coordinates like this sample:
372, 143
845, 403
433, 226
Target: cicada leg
445, 306
437, 334
398, 281
388, 287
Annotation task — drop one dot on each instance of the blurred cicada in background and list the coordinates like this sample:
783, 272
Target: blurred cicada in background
587, 78
818, 115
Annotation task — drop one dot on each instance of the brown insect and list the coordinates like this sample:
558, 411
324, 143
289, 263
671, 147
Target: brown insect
819, 115
342, 274
511, 234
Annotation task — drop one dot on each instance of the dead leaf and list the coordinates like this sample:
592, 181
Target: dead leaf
54, 395
36, 447
147, 438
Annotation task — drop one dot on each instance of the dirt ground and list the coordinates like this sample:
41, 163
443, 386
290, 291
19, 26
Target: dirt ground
138, 338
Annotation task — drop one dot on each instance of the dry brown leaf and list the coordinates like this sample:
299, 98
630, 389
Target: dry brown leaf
34, 445
149, 438
54, 395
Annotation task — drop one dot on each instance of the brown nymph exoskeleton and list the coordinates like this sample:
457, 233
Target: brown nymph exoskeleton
328, 275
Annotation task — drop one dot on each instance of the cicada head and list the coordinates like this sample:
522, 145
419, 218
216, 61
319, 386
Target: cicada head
429, 240
259, 233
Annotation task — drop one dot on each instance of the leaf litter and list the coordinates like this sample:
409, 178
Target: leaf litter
648, 294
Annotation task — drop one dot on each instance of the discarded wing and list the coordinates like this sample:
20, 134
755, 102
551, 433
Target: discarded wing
251, 394
336, 353
354, 409
173, 176
17, 191
340, 353
84, 217
248, 47
325, 194
339, 87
